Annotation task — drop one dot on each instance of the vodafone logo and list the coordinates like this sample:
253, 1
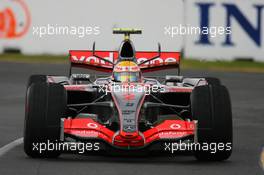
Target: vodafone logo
90, 59
92, 125
158, 60
93, 59
175, 126
14, 19
86, 57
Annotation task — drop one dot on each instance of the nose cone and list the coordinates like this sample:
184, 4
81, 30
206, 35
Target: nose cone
128, 104
128, 101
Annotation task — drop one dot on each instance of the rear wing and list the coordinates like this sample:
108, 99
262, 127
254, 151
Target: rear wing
86, 59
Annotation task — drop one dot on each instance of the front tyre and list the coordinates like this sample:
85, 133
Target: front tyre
211, 107
45, 106
213, 81
36, 79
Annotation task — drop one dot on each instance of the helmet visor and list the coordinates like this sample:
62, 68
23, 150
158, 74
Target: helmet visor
126, 76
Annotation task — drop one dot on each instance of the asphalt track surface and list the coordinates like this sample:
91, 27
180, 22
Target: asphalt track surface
247, 93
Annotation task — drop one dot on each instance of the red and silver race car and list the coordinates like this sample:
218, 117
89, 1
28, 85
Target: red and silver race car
126, 111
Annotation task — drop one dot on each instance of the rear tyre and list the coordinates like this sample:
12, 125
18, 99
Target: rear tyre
211, 107
45, 106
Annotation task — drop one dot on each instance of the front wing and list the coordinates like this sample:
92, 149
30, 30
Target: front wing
87, 129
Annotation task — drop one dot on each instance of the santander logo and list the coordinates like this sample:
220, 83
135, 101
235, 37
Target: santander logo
15, 19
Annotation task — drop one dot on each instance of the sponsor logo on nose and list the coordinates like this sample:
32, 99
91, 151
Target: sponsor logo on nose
175, 126
92, 125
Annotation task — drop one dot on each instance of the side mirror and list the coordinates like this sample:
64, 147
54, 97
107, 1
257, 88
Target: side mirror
159, 49
93, 48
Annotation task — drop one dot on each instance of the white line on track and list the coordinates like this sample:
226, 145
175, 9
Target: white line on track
10, 146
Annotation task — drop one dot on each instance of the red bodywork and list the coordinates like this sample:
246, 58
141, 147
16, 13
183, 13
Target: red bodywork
169, 129
88, 128
85, 58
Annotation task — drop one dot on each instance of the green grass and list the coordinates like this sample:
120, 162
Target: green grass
231, 66
34, 58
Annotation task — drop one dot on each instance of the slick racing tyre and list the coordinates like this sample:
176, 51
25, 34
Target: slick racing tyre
45, 106
36, 79
213, 81
211, 107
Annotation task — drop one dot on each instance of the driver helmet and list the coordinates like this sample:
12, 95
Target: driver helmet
126, 71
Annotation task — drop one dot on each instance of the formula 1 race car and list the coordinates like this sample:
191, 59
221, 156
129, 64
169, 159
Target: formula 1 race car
126, 111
